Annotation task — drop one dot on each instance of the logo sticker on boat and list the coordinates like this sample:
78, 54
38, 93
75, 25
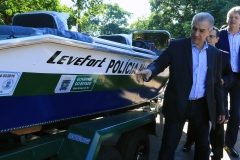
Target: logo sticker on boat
78, 138
75, 83
8, 82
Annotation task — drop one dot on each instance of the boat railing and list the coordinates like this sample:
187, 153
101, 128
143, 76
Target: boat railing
122, 46
142, 50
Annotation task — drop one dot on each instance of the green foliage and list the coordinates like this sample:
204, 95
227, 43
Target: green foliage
85, 11
1, 19
102, 19
90, 16
140, 24
112, 13
72, 17
112, 28
94, 17
8, 8
113, 20
176, 15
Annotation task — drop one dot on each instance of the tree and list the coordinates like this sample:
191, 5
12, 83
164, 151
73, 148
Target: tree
8, 8
90, 16
176, 15
113, 19
140, 24
71, 21
85, 11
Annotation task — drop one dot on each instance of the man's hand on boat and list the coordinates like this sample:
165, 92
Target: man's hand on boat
143, 75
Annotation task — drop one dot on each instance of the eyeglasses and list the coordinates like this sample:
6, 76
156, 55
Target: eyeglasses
211, 36
231, 17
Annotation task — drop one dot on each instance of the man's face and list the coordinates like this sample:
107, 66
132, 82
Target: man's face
212, 39
233, 20
199, 32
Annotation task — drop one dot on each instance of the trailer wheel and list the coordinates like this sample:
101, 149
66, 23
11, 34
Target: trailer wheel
134, 145
108, 153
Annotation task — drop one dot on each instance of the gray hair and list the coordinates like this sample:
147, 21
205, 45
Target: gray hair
202, 16
233, 10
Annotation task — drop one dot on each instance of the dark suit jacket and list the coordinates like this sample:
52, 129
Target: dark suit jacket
227, 74
223, 42
178, 56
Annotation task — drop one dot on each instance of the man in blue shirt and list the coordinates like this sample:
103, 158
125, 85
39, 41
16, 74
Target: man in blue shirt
194, 91
230, 42
217, 134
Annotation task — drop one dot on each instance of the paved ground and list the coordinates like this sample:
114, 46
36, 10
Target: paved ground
156, 143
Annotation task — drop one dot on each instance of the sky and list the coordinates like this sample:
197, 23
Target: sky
139, 8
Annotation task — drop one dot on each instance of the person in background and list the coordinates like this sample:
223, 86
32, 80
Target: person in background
230, 42
194, 91
217, 134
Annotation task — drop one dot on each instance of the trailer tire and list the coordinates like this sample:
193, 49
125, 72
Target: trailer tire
134, 145
108, 153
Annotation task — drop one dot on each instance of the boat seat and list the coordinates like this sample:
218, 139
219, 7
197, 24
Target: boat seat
41, 19
150, 44
115, 38
139, 43
29, 20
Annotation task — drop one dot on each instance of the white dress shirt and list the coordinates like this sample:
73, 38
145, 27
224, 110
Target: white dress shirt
234, 44
199, 58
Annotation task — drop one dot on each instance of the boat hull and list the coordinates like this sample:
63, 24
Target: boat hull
47, 81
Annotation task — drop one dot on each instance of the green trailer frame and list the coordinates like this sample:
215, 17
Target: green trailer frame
83, 140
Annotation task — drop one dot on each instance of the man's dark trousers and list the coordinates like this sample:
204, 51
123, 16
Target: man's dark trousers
216, 139
233, 122
216, 135
198, 117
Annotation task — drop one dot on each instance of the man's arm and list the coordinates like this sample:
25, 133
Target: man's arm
218, 89
228, 76
157, 66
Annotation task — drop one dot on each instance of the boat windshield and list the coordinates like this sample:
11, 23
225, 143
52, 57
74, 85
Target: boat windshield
160, 38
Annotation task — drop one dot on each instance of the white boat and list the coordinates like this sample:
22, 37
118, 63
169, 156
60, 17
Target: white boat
50, 75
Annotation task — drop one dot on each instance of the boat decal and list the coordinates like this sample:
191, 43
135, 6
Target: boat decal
123, 67
78, 138
79, 61
105, 64
45, 58
75, 83
8, 82
35, 84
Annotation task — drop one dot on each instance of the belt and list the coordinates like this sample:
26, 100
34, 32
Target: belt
196, 100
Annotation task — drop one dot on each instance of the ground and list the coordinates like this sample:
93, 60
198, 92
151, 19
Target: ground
156, 143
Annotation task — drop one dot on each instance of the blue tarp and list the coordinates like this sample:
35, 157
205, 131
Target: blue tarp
41, 19
7, 32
